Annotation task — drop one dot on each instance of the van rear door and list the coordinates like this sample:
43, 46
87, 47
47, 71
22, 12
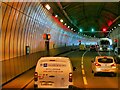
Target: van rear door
54, 74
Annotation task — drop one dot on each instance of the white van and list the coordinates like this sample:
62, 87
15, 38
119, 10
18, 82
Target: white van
53, 72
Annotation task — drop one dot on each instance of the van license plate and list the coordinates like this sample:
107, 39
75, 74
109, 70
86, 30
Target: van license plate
46, 83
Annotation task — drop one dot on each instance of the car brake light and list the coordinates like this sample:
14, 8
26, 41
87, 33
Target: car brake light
96, 64
35, 76
113, 65
70, 77
105, 56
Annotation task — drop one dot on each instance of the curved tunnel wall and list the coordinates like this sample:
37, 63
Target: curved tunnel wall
23, 24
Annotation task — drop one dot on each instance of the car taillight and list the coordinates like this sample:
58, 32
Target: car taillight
70, 77
113, 65
97, 64
35, 76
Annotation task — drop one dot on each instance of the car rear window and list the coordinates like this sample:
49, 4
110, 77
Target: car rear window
105, 60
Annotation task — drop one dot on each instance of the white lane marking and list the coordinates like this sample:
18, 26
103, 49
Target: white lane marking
83, 71
82, 67
84, 54
85, 81
81, 63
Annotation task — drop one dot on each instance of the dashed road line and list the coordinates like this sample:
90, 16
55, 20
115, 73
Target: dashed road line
83, 71
82, 66
85, 81
81, 63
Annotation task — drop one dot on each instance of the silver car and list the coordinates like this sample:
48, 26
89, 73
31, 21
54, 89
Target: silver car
105, 64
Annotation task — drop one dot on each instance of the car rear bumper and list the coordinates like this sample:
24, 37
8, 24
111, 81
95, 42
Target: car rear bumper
112, 70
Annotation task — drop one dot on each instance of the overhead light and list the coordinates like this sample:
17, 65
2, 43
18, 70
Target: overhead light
56, 15
71, 28
74, 30
68, 26
47, 6
61, 20
65, 24
114, 27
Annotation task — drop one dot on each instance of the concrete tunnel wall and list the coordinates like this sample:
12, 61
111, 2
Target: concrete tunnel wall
23, 24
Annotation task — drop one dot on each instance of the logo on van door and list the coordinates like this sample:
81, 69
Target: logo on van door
45, 65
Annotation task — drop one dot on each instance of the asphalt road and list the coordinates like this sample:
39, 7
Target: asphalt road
83, 76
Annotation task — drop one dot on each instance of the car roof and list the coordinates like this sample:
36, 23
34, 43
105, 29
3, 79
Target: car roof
65, 59
97, 57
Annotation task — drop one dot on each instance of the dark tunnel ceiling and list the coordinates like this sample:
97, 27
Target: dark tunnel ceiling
87, 15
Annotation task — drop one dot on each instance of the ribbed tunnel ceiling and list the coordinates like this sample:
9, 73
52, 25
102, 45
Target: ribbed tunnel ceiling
85, 16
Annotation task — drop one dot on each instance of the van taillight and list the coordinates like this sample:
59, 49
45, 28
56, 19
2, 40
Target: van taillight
70, 77
113, 65
97, 64
35, 76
